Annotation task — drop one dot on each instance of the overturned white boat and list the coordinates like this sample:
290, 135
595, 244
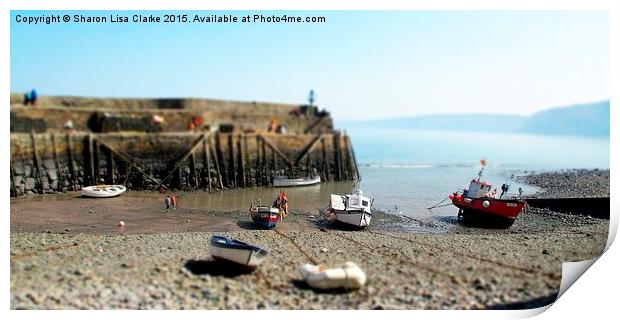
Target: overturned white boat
285, 182
352, 209
103, 191
224, 248
349, 276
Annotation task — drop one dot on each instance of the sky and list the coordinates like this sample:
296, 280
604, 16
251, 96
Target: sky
361, 64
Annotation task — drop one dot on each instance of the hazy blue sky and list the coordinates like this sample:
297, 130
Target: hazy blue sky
361, 64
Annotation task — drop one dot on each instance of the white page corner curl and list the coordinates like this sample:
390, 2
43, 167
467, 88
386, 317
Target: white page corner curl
571, 271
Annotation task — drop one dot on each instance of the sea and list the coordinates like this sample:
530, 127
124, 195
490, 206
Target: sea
408, 171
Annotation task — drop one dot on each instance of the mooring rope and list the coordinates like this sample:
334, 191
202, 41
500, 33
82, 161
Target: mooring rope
438, 205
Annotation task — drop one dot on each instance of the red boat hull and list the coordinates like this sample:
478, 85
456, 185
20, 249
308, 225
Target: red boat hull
493, 212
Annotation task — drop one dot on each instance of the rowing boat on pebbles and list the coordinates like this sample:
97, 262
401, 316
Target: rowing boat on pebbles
223, 248
103, 191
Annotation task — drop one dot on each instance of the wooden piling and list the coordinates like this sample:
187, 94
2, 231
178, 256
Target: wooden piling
324, 164
220, 157
97, 161
217, 166
240, 163
336, 141
231, 163
246, 168
207, 163
357, 173
264, 164
111, 166
347, 156
71, 162
91, 159
57, 163
37, 161
192, 169
273, 164
257, 176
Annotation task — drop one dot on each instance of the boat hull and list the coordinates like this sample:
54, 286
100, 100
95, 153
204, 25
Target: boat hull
103, 191
295, 182
242, 253
355, 219
265, 218
498, 213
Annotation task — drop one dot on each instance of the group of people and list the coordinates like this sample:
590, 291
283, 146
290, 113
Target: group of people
30, 97
170, 202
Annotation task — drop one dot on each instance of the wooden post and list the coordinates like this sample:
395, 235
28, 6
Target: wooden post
336, 157
240, 163
91, 159
128, 167
207, 164
192, 168
257, 177
220, 157
246, 168
324, 166
97, 162
273, 164
71, 162
57, 163
37, 161
217, 166
231, 163
111, 166
264, 164
349, 174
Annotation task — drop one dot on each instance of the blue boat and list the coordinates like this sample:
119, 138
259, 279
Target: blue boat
236, 251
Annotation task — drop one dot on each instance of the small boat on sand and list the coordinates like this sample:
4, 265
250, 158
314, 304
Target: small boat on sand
103, 191
352, 209
479, 204
267, 217
285, 182
264, 216
223, 248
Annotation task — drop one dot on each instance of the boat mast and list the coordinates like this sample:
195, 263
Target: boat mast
483, 163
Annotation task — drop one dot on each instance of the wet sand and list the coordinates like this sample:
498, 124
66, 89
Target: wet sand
67, 253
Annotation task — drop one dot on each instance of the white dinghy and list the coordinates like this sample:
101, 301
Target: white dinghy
103, 191
352, 209
285, 182
349, 276
224, 248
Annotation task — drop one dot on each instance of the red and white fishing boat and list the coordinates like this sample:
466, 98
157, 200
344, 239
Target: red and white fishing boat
479, 204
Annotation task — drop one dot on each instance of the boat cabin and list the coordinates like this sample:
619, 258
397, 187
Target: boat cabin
478, 189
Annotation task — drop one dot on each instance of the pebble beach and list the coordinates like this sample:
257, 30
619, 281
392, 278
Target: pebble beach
77, 258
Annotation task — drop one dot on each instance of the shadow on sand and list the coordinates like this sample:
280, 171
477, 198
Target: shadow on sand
217, 268
529, 304
300, 284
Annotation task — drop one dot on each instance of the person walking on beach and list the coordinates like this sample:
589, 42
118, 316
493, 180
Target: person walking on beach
167, 203
173, 201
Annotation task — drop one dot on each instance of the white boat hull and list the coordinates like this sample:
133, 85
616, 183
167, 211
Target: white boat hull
103, 191
358, 219
244, 257
278, 182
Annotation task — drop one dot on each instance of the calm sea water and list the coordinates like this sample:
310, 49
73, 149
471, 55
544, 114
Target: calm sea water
411, 170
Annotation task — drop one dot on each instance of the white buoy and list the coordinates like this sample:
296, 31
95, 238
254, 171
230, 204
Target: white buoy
486, 203
121, 223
